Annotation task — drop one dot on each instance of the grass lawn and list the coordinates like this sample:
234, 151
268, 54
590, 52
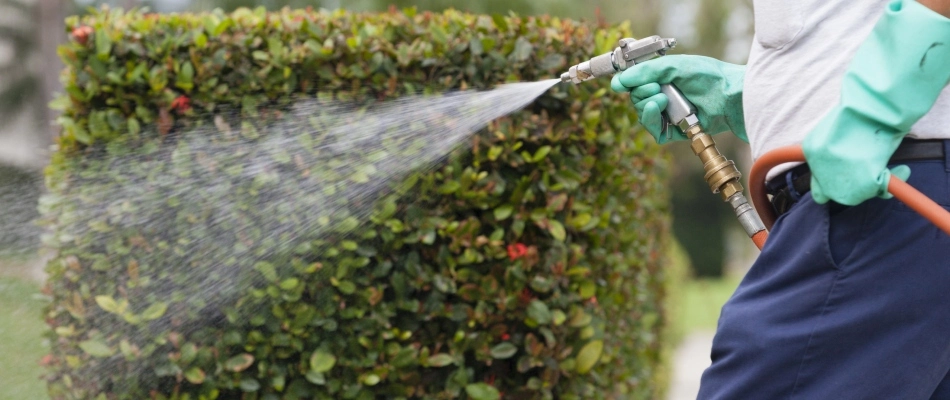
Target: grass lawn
701, 302
21, 341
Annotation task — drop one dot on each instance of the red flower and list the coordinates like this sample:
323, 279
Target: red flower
516, 251
81, 34
181, 104
505, 336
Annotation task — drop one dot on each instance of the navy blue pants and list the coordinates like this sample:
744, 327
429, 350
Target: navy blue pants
842, 303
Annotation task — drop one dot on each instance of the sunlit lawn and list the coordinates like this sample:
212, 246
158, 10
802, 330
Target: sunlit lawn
702, 301
21, 341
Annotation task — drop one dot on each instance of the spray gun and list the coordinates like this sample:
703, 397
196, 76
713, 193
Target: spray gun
721, 173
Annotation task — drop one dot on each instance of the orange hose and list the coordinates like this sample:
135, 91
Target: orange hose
761, 168
917, 201
759, 239
924, 206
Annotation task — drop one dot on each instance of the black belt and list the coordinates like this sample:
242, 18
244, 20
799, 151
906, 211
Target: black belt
787, 189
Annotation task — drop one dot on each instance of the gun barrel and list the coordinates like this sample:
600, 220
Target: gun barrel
629, 53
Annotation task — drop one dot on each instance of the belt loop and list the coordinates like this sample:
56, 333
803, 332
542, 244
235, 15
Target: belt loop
946, 155
790, 184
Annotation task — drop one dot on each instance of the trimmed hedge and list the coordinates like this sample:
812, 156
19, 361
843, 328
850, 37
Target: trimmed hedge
528, 265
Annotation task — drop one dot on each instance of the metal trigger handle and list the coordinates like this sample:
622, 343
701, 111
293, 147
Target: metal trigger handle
678, 111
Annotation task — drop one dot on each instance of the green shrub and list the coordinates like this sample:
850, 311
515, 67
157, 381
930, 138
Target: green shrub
529, 263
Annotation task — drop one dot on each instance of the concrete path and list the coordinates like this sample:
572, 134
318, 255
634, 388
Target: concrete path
31, 269
689, 362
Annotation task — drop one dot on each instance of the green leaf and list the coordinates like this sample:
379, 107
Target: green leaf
267, 269
201, 40
316, 378
154, 311
186, 76
221, 27
371, 380
188, 353
96, 348
539, 312
195, 375
359, 177
475, 46
580, 319
98, 126
541, 153
103, 44
502, 213
157, 78
522, 52
346, 287
500, 22
450, 187
503, 350
589, 355
438, 34
260, 55
581, 220
108, 304
482, 391
134, 126
440, 360
239, 363
127, 350
289, 283
348, 224
488, 43
494, 152
322, 361
70, 127
587, 289
250, 385
557, 230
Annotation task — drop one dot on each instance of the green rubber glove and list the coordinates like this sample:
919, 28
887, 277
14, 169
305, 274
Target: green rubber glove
893, 81
713, 86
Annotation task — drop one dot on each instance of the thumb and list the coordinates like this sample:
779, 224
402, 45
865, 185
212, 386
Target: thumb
817, 193
902, 172
660, 70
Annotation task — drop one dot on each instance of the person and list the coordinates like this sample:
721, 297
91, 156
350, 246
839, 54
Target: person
850, 297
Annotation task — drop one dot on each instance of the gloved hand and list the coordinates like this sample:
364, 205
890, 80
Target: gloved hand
893, 81
713, 86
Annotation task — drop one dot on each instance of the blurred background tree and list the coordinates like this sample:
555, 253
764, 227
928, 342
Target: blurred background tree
21, 90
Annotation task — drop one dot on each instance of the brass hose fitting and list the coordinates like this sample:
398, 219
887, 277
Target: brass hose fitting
722, 176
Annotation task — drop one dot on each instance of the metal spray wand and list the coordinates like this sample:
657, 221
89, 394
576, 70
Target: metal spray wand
721, 173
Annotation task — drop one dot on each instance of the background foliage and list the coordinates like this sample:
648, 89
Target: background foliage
528, 265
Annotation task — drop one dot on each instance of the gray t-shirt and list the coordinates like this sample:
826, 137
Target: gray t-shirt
800, 53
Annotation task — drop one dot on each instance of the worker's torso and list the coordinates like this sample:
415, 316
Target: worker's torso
800, 53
